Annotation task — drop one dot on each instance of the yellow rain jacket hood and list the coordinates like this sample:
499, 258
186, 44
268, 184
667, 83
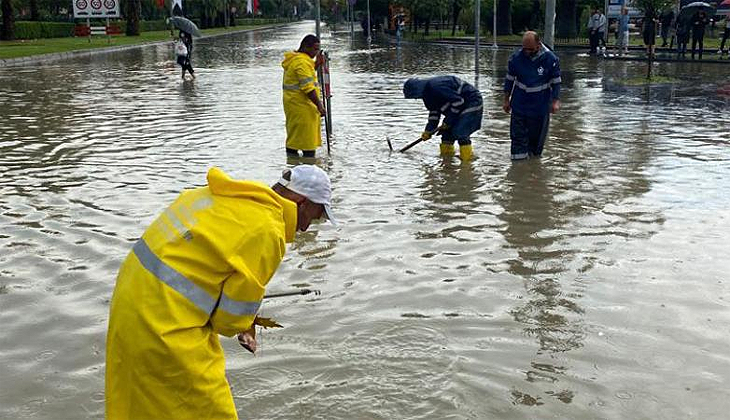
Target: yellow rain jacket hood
303, 127
199, 270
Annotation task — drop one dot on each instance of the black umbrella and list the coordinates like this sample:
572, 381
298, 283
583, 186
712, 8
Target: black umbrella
691, 9
185, 25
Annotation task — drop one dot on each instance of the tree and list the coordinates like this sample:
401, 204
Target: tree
134, 9
8, 29
504, 17
566, 18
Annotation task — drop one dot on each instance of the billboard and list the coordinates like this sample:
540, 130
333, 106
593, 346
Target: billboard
96, 8
614, 9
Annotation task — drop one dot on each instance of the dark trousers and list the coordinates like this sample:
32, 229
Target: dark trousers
184, 62
593, 41
725, 36
528, 135
295, 152
697, 38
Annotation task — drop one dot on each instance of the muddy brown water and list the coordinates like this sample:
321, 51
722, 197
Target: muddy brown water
589, 284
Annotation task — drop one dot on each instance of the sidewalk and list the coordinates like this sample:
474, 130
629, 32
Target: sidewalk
636, 53
93, 50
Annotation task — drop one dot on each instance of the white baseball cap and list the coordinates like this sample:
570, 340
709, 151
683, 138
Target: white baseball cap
313, 183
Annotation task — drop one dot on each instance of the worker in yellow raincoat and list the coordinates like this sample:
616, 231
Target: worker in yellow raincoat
200, 270
302, 106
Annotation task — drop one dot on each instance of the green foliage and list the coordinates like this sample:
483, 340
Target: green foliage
653, 7
37, 30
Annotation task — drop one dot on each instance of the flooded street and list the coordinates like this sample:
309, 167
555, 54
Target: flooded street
590, 284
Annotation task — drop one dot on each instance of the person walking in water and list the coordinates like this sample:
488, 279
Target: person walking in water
200, 270
532, 93
458, 101
184, 52
301, 94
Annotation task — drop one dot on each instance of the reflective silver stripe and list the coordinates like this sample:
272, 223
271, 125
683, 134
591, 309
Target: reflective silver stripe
305, 80
202, 203
238, 307
509, 77
436, 118
532, 89
454, 110
555, 80
472, 109
461, 85
458, 103
443, 108
290, 87
172, 278
519, 156
175, 221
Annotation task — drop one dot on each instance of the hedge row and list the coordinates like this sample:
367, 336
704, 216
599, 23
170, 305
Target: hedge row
36, 30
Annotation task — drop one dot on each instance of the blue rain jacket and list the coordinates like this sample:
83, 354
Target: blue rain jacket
536, 81
458, 101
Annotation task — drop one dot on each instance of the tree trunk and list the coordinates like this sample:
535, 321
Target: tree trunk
8, 30
566, 18
428, 23
456, 9
34, 10
504, 17
133, 11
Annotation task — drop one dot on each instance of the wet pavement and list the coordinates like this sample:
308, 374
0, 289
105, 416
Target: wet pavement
588, 284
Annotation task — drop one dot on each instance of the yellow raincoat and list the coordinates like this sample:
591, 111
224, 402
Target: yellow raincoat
303, 130
198, 271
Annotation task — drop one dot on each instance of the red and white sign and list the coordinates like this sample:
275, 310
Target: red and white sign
95, 8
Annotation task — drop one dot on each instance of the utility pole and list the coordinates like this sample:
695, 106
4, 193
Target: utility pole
549, 38
317, 19
477, 29
494, 24
370, 27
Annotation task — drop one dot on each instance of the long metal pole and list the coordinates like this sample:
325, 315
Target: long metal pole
370, 27
549, 37
494, 24
352, 19
477, 29
317, 19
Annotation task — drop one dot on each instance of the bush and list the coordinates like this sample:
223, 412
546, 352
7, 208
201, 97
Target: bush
36, 30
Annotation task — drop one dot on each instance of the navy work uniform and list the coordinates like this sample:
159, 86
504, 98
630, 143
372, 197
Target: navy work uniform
458, 101
535, 84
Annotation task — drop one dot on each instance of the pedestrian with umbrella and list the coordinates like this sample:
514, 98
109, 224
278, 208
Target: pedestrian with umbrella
184, 43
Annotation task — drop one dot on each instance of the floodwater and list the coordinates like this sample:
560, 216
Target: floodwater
589, 284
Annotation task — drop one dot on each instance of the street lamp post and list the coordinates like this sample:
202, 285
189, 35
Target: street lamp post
549, 37
317, 19
477, 22
494, 24
370, 27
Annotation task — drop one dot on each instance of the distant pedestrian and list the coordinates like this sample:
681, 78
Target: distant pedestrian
302, 106
648, 32
699, 21
532, 93
622, 43
596, 31
682, 37
184, 51
725, 35
666, 21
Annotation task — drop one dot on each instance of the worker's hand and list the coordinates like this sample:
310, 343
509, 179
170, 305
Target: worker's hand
426, 135
556, 106
318, 60
506, 106
321, 109
247, 339
442, 129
